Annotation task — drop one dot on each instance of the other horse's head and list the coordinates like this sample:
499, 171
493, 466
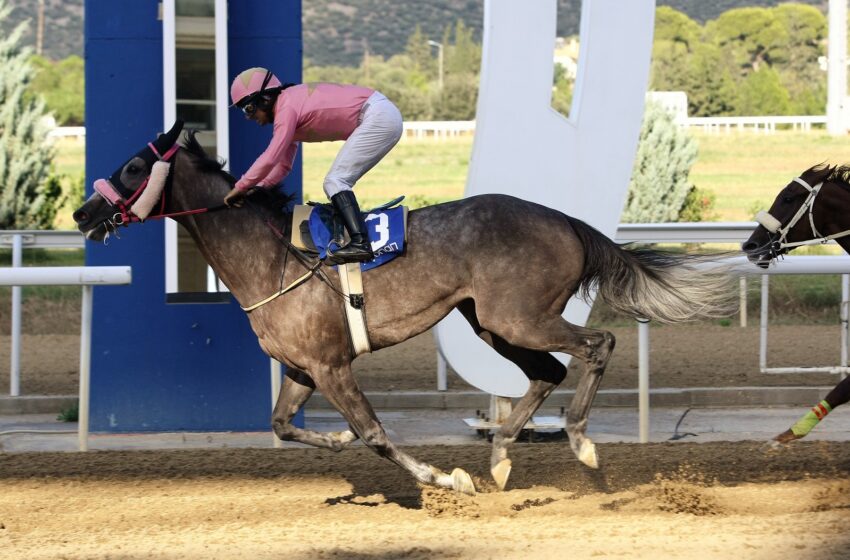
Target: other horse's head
812, 209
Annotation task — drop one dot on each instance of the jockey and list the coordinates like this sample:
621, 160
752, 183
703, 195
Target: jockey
318, 112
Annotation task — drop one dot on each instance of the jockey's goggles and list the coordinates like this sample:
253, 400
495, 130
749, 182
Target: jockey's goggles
249, 107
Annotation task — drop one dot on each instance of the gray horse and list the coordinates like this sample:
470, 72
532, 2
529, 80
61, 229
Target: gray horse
508, 265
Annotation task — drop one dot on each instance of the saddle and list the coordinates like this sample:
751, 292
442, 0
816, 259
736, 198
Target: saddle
316, 226
305, 214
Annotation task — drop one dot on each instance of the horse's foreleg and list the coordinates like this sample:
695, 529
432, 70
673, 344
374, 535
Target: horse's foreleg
839, 395
297, 388
340, 388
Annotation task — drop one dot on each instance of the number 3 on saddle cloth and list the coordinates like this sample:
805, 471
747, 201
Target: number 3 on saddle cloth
385, 225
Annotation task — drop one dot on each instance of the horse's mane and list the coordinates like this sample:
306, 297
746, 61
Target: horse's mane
272, 199
823, 172
840, 174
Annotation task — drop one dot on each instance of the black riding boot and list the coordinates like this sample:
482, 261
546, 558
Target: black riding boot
359, 249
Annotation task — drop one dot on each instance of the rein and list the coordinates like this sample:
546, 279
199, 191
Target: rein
312, 269
773, 225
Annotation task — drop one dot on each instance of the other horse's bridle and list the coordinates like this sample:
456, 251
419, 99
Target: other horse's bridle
780, 244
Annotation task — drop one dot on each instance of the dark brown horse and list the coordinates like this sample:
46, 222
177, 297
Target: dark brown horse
508, 265
812, 209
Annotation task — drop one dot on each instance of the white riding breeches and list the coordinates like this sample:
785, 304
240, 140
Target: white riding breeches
379, 130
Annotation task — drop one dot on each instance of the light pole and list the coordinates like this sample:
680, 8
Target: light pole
439, 61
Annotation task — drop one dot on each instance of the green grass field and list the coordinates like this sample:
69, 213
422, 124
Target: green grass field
427, 171
745, 171
70, 156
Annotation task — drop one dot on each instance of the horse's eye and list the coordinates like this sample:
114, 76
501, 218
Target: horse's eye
787, 199
133, 169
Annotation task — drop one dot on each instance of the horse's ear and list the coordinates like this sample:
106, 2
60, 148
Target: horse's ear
165, 141
172, 135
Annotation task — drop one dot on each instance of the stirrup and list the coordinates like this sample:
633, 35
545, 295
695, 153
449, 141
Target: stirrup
335, 257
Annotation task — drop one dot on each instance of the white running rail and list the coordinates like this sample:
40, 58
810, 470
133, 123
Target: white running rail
87, 277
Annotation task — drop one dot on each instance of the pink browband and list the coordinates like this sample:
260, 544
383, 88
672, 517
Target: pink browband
171, 151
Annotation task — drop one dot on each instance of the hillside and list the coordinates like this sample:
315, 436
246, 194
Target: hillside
63, 25
340, 31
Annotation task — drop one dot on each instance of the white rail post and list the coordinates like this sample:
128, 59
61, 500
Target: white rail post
845, 318
15, 367
85, 369
643, 380
277, 376
742, 305
763, 323
442, 383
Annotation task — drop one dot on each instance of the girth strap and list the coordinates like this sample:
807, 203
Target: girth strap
351, 279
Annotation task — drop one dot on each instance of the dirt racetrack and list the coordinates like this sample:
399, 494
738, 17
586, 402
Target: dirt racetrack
673, 500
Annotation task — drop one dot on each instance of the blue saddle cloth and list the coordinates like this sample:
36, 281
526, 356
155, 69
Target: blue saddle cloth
384, 226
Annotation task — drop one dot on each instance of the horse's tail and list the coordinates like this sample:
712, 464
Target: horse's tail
657, 285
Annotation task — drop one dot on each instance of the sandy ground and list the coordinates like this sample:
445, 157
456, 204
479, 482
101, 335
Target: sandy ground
681, 356
674, 500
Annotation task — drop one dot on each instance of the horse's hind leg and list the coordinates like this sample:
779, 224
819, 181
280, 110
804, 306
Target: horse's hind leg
545, 373
340, 388
593, 347
595, 350
500, 465
297, 388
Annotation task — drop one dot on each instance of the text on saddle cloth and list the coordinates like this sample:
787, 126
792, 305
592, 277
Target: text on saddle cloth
386, 229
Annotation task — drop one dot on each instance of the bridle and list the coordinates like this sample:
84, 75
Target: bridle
127, 205
781, 244
127, 215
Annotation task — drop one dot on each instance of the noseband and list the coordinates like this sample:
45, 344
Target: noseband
130, 209
774, 226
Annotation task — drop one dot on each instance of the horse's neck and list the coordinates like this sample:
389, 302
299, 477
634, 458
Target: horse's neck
832, 218
238, 245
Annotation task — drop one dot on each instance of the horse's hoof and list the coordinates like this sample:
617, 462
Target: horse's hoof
772, 445
587, 454
501, 472
786, 437
462, 482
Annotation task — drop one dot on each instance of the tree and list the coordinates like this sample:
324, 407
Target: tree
800, 73
675, 26
463, 54
659, 188
419, 52
751, 37
562, 90
711, 88
28, 200
62, 87
761, 93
